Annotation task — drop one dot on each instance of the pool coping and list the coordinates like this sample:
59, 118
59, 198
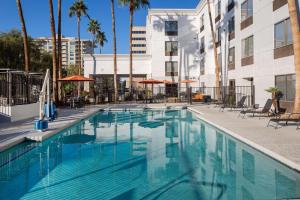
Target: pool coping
42, 135
273, 155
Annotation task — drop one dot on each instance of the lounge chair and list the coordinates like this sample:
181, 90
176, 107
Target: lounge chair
198, 97
265, 110
240, 104
285, 117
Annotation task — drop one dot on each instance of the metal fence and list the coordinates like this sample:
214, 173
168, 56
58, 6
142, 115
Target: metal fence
175, 94
16, 88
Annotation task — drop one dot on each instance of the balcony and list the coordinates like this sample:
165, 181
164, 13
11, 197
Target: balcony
278, 4
231, 35
284, 51
247, 61
247, 22
217, 18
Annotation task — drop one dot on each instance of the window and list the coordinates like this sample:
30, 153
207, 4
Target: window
171, 48
139, 45
171, 68
138, 32
231, 58
171, 28
202, 66
202, 45
218, 37
283, 33
247, 9
138, 52
138, 38
202, 23
247, 47
231, 26
286, 84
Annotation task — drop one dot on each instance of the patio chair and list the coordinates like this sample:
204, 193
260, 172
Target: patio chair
285, 117
265, 110
240, 104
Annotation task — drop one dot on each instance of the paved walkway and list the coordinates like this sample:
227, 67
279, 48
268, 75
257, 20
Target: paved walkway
284, 141
14, 133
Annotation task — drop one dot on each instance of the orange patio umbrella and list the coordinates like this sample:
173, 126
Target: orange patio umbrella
152, 82
167, 82
188, 81
76, 78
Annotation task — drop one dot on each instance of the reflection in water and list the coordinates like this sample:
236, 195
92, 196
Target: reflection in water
143, 155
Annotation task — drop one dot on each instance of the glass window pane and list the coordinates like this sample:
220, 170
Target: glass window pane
289, 32
290, 87
250, 8
280, 83
244, 10
279, 35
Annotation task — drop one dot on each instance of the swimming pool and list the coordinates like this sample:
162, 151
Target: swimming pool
164, 154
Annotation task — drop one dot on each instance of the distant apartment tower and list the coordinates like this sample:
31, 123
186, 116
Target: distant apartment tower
70, 49
139, 40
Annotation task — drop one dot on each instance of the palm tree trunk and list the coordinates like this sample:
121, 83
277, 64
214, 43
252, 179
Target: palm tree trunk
130, 57
215, 51
296, 41
115, 49
59, 51
79, 45
54, 53
25, 38
79, 54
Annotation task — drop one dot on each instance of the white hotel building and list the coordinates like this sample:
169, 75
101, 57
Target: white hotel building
254, 46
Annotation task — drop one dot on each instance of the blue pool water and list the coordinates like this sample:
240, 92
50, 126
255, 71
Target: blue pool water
143, 155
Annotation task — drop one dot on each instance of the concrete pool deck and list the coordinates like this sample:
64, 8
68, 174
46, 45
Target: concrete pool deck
283, 144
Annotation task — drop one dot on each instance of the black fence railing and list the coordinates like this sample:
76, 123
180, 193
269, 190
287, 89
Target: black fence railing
16, 88
175, 94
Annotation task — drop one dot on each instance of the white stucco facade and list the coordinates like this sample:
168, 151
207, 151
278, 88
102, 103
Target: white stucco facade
261, 73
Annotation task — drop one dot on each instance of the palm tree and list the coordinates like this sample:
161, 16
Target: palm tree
54, 53
93, 28
59, 43
296, 38
78, 9
215, 51
100, 39
133, 5
25, 37
115, 48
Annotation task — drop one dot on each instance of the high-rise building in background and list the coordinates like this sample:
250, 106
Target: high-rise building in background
70, 49
139, 40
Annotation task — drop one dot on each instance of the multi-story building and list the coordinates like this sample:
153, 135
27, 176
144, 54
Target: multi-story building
139, 40
70, 49
253, 39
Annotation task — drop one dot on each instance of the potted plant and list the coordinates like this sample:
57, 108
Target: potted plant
276, 96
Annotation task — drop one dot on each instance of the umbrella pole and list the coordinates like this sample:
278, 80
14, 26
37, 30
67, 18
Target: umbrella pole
152, 92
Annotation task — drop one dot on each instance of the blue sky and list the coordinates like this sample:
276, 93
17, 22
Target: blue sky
36, 14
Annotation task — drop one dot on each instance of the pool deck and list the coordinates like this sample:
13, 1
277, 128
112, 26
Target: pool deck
15, 133
283, 143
